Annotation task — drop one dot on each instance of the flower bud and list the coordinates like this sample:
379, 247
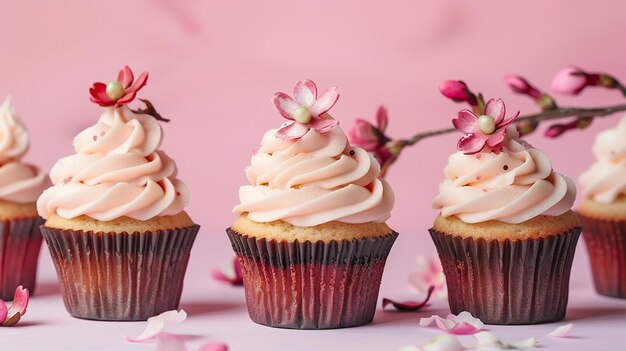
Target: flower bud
458, 91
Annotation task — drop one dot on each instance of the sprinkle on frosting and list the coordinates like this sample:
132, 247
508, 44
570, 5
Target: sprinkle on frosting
120, 173
605, 181
306, 110
19, 182
513, 186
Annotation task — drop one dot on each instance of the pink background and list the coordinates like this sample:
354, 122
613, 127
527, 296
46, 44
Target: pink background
215, 65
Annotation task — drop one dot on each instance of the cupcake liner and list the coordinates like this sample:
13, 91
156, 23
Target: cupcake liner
508, 282
606, 244
20, 243
306, 285
120, 276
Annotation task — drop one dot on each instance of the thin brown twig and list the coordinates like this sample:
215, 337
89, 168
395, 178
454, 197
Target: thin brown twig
536, 118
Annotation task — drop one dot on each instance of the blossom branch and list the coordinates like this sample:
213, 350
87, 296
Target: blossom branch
534, 118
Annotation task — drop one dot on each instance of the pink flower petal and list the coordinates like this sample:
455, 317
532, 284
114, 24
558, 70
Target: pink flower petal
562, 331
472, 144
494, 140
20, 301
99, 95
325, 102
285, 105
305, 92
382, 119
508, 121
213, 346
125, 77
292, 130
132, 91
232, 276
362, 134
464, 323
322, 125
158, 323
409, 306
466, 122
495, 109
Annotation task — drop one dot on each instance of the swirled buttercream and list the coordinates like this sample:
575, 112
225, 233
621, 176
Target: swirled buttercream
606, 179
117, 171
316, 179
511, 186
19, 182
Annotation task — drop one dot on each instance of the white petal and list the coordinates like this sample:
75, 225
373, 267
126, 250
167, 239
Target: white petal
158, 323
443, 342
562, 331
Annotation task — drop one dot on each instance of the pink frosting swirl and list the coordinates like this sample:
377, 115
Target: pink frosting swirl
606, 179
313, 180
117, 171
512, 187
19, 182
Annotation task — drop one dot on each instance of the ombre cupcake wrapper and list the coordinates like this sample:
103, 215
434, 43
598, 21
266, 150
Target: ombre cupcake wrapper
20, 243
306, 285
508, 282
606, 244
120, 276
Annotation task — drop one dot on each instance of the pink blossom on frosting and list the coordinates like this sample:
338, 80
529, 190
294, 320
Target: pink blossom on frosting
488, 340
409, 306
231, 274
487, 130
118, 92
9, 317
562, 331
306, 110
428, 273
463, 323
158, 324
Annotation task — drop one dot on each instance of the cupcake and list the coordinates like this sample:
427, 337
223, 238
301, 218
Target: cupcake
603, 211
311, 234
115, 225
20, 186
506, 235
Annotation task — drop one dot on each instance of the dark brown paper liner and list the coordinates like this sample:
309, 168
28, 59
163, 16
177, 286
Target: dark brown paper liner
508, 282
305, 285
120, 276
606, 244
20, 243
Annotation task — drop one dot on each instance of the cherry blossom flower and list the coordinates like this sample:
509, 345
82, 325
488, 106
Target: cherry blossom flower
306, 110
118, 92
428, 273
12, 315
463, 323
158, 324
562, 331
488, 129
367, 136
231, 275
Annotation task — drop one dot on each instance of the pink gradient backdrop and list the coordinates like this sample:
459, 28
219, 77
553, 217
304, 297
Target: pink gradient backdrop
215, 65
